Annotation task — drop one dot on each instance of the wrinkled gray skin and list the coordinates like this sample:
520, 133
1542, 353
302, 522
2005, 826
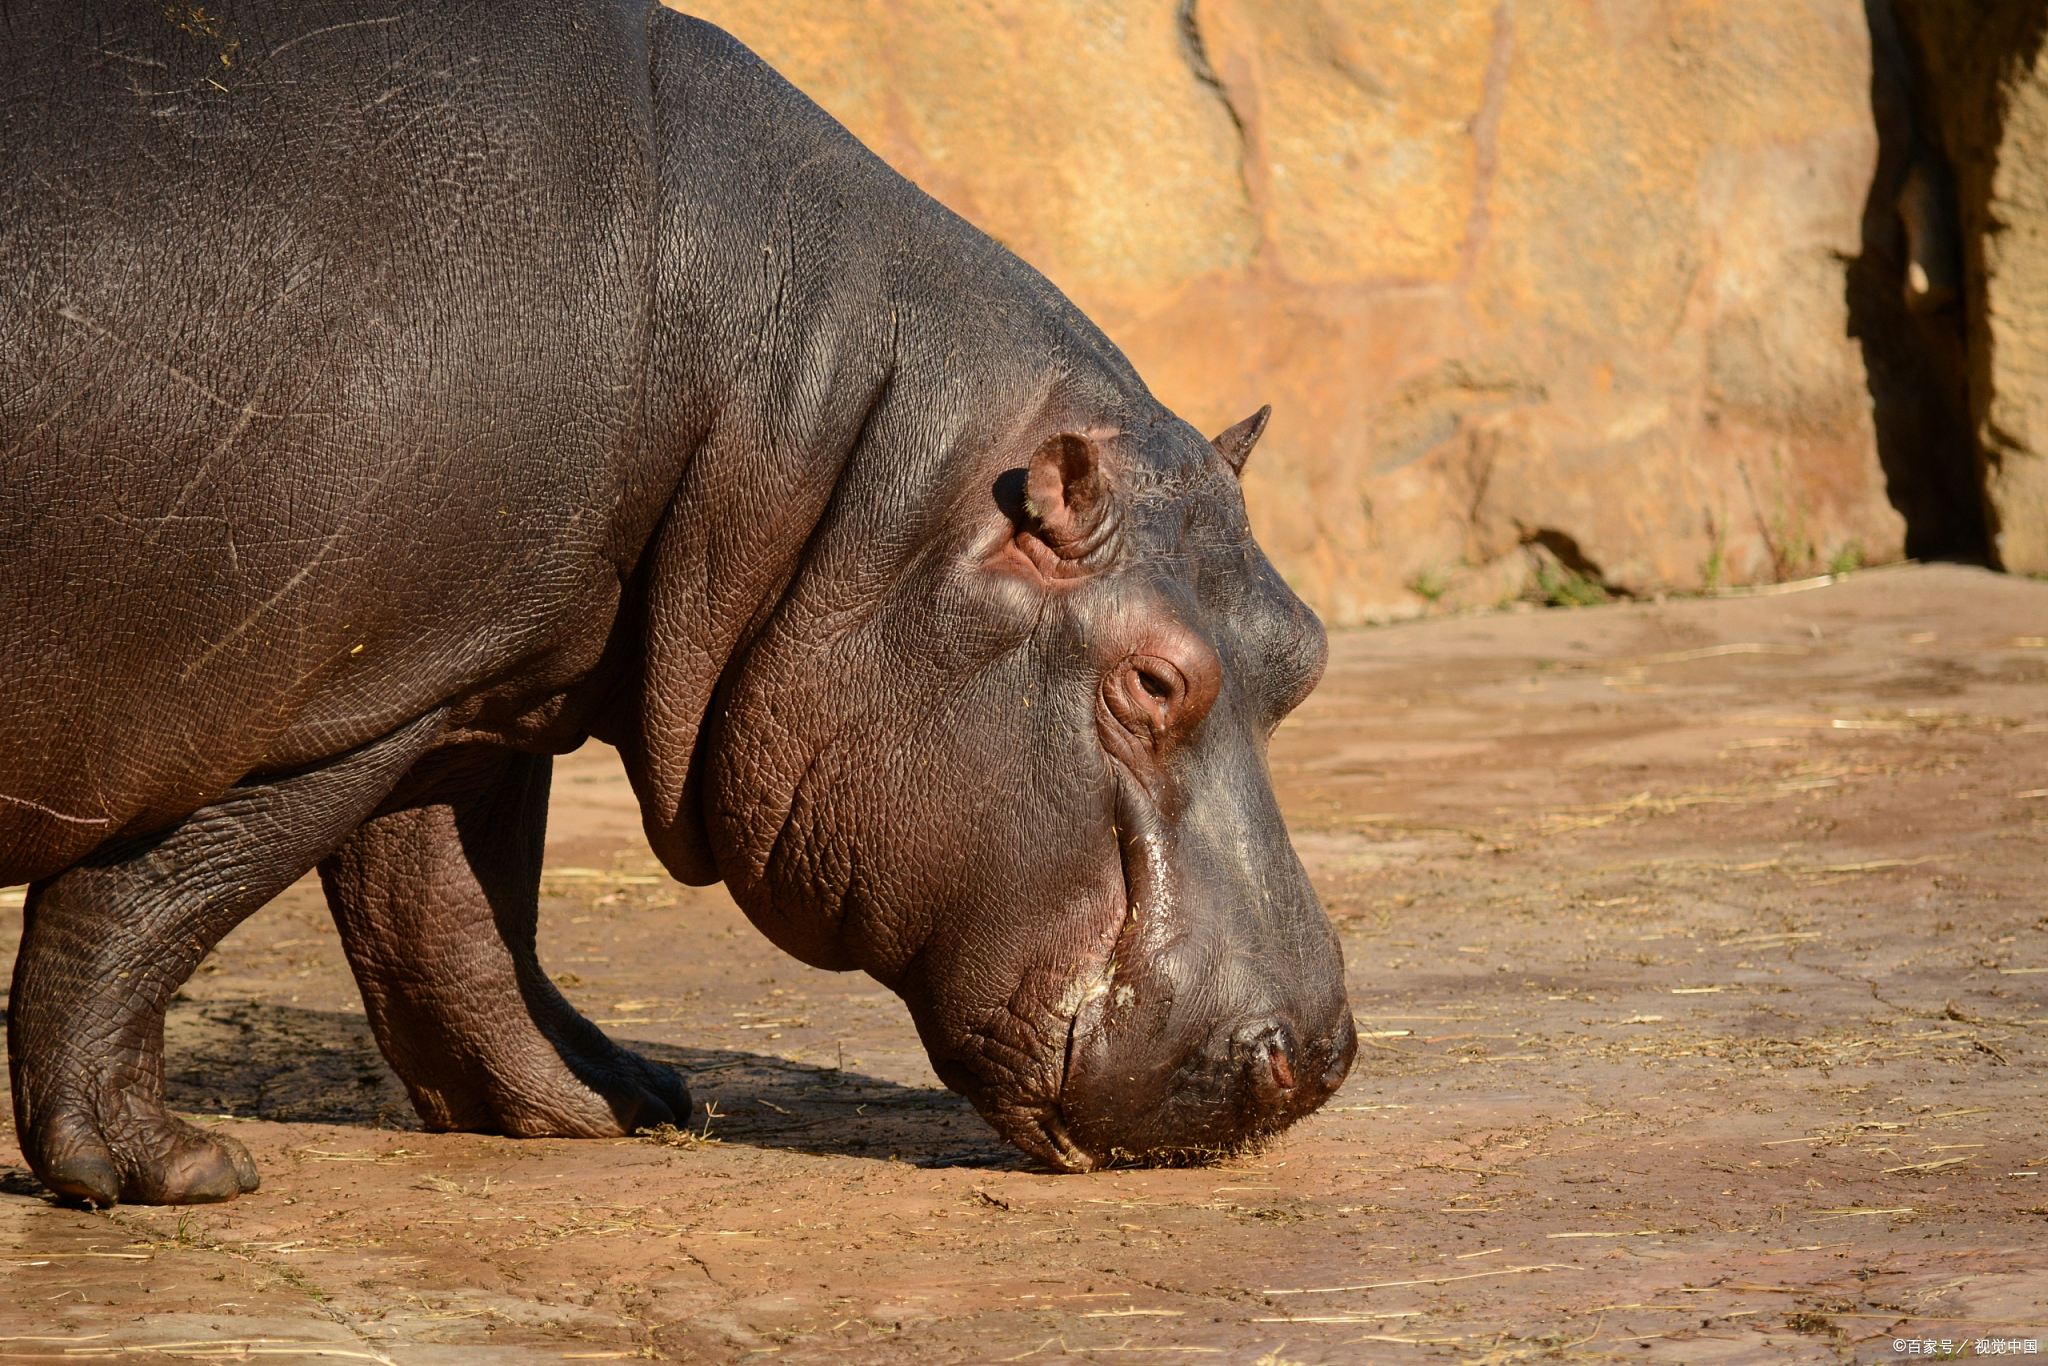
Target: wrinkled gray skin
391, 398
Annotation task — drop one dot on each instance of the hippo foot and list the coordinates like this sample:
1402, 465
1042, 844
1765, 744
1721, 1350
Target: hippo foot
653, 1093
599, 1091
536, 1088
147, 1160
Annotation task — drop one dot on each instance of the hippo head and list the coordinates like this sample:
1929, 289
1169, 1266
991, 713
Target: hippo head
1006, 751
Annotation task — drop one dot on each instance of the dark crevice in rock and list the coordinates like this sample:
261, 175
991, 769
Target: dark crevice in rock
1197, 54
1912, 323
1195, 51
1962, 69
1566, 548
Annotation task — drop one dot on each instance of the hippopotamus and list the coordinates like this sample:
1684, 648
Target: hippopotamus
392, 398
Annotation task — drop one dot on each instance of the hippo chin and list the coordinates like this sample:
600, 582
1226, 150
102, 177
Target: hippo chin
388, 404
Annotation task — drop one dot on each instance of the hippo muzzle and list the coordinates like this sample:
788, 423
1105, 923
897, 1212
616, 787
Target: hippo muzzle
1221, 1017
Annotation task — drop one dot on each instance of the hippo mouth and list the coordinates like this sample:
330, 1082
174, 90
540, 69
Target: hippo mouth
1142, 869
1057, 1147
1039, 1125
1036, 1121
1090, 990
1042, 1129
1063, 1151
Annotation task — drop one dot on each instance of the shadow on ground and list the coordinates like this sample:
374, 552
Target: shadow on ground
291, 1065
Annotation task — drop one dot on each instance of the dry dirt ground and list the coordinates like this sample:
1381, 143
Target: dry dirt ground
1698, 948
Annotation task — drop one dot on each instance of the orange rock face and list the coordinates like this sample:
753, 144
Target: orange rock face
1539, 291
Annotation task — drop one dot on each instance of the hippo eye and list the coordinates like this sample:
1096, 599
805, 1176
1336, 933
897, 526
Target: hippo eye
1144, 695
1149, 702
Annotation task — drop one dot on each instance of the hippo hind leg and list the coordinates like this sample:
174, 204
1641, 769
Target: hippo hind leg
437, 898
105, 944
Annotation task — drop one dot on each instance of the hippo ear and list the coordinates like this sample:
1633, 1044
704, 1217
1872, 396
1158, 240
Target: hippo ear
1235, 445
1067, 496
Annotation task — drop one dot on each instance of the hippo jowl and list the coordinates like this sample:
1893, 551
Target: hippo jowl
393, 397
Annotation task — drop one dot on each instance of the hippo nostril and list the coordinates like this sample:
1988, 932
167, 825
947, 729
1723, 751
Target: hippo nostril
1269, 1057
1341, 1051
1279, 1064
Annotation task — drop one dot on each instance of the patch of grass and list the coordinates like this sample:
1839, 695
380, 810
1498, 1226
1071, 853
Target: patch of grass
1562, 586
669, 1136
1715, 565
296, 1279
1431, 584
1792, 554
1846, 560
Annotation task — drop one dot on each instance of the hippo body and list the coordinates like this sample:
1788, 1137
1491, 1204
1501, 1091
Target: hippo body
393, 398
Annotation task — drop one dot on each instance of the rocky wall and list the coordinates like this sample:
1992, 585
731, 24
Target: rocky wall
1543, 292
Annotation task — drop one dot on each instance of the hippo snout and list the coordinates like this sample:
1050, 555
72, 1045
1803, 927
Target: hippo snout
1127, 1098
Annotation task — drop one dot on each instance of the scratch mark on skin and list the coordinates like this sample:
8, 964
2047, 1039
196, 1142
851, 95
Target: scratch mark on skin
246, 414
335, 28
71, 314
55, 814
206, 465
157, 525
242, 628
124, 57
48, 418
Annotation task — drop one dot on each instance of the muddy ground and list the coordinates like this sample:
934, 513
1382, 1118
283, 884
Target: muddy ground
1699, 950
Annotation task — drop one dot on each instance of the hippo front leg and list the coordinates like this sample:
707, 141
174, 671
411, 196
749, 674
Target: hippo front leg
437, 898
106, 943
